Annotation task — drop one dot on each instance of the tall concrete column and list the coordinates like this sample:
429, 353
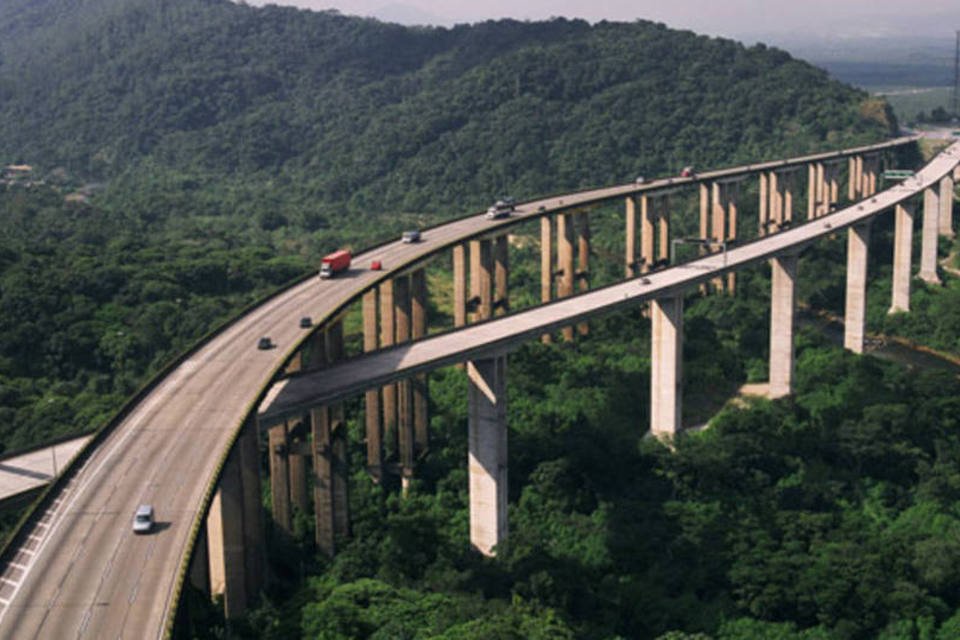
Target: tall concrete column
630, 254
783, 309
764, 189
330, 494
786, 208
946, 206
487, 457
501, 261
648, 222
776, 201
718, 223
666, 366
234, 537
421, 419
855, 317
902, 257
733, 195
481, 278
373, 416
254, 546
931, 229
583, 262
280, 477
388, 393
812, 191
663, 219
833, 183
546, 265
706, 193
225, 540
322, 480
459, 286
405, 439
874, 171
200, 562
852, 178
565, 262
299, 500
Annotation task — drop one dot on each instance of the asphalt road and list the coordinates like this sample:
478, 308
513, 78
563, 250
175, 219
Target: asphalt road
82, 572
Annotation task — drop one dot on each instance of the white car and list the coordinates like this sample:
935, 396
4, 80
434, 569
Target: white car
501, 208
143, 519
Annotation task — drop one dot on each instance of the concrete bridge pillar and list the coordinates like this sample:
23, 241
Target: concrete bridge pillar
388, 393
902, 257
855, 317
565, 262
783, 309
648, 230
546, 266
487, 456
931, 228
666, 366
946, 205
481, 278
418, 300
234, 535
373, 418
583, 262
855, 178
664, 224
501, 272
299, 498
405, 441
280, 477
631, 267
330, 488
459, 286
764, 208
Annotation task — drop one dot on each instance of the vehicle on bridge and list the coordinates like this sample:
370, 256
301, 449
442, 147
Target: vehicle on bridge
409, 237
334, 263
143, 519
501, 208
687, 172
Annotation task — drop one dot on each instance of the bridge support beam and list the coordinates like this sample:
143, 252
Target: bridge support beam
946, 205
330, 492
583, 262
487, 457
648, 230
855, 316
418, 315
854, 177
459, 286
931, 228
299, 498
481, 278
630, 266
546, 265
388, 393
783, 309
501, 272
280, 477
234, 534
405, 440
902, 257
666, 366
565, 263
373, 419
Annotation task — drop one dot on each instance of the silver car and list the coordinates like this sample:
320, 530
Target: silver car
143, 519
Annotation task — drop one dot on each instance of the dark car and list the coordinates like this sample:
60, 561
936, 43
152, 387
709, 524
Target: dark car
306, 322
264, 343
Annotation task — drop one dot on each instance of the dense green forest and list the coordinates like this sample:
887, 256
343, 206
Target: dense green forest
191, 156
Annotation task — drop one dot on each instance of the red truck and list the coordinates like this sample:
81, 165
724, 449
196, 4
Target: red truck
334, 263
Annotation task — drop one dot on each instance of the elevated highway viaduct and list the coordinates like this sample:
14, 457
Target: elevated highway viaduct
190, 442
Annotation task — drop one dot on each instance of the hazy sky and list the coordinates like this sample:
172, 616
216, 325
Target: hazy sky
737, 18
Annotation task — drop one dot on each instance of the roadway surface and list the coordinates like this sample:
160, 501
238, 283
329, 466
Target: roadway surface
81, 572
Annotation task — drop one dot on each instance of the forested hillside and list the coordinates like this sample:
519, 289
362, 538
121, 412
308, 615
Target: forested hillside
327, 112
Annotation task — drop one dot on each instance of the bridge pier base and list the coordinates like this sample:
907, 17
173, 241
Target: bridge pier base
855, 316
783, 308
666, 366
902, 257
946, 205
487, 456
931, 227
